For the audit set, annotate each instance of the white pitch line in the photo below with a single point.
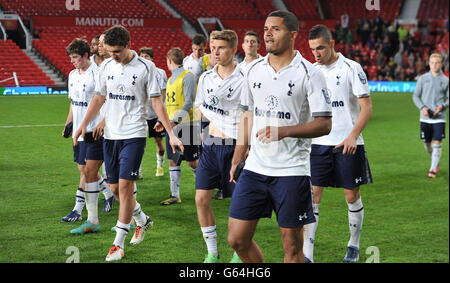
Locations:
(32, 126)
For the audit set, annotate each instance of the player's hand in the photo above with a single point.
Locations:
(437, 109)
(98, 131)
(158, 127)
(79, 133)
(269, 134)
(425, 111)
(175, 142)
(232, 170)
(348, 146)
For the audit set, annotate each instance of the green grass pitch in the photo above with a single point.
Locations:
(406, 214)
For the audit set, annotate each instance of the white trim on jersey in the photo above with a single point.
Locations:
(346, 83)
(289, 97)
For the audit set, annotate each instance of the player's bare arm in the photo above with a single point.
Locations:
(349, 144)
(164, 118)
(243, 141)
(318, 127)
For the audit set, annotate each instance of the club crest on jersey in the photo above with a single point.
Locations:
(121, 88)
(338, 77)
(230, 91)
(213, 100)
(291, 85)
(134, 79)
(271, 101)
(326, 95)
(362, 78)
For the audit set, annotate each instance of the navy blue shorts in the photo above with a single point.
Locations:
(256, 196)
(79, 153)
(214, 165)
(151, 132)
(123, 158)
(429, 132)
(94, 151)
(189, 134)
(337, 170)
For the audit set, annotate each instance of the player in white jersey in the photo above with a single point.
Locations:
(219, 100)
(192, 62)
(339, 159)
(251, 44)
(286, 104)
(128, 81)
(88, 154)
(147, 53)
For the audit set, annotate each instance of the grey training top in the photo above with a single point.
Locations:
(431, 91)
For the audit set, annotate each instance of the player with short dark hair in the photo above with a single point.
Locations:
(286, 104)
(87, 153)
(129, 82)
(339, 158)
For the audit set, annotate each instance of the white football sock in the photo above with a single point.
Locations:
(121, 233)
(175, 176)
(210, 236)
(80, 201)
(138, 215)
(435, 156)
(104, 188)
(159, 160)
(355, 220)
(310, 234)
(91, 194)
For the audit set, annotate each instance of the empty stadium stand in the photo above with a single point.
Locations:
(13, 59)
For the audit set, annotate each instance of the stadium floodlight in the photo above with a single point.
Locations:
(13, 77)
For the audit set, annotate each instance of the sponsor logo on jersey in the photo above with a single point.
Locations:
(362, 78)
(272, 114)
(79, 103)
(326, 95)
(121, 97)
(337, 103)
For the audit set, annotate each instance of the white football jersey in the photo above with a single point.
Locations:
(291, 96)
(81, 91)
(127, 90)
(346, 83)
(245, 66)
(189, 63)
(219, 99)
(161, 77)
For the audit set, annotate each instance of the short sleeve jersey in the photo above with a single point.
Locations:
(292, 96)
(346, 82)
(219, 99)
(190, 64)
(81, 89)
(127, 89)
